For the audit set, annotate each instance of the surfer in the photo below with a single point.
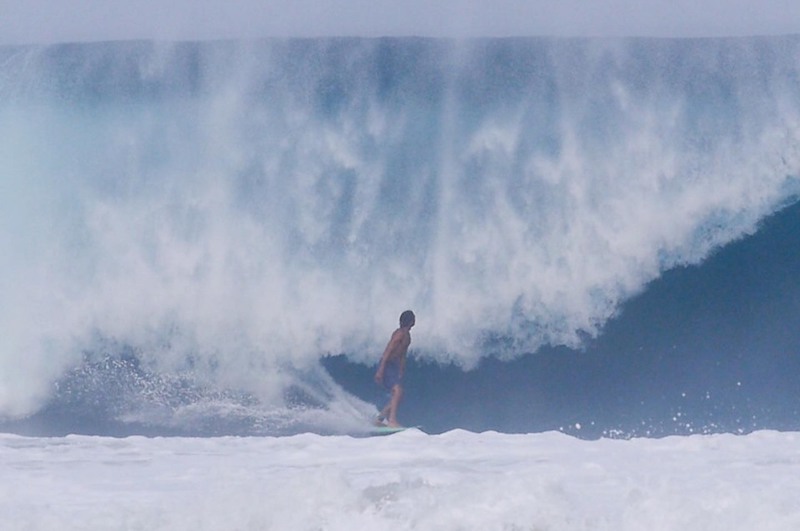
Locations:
(392, 366)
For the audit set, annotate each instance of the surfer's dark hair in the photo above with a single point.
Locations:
(407, 318)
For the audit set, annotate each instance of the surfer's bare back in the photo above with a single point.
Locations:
(392, 367)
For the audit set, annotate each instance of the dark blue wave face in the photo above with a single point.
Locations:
(704, 349)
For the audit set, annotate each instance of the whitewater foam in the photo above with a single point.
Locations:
(457, 480)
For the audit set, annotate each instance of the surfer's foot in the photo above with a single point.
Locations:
(394, 425)
(380, 420)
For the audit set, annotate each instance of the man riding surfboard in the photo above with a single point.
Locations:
(392, 367)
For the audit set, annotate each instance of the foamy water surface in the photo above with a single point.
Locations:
(411, 480)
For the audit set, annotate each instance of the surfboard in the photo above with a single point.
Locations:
(388, 430)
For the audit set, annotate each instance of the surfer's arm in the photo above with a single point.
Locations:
(379, 372)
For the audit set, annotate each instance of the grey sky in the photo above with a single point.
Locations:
(35, 21)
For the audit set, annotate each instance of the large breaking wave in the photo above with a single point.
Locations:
(224, 214)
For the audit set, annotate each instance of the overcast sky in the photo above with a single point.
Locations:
(38, 21)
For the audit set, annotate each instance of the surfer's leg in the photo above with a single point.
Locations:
(397, 394)
(391, 380)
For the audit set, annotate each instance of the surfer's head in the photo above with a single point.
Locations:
(407, 319)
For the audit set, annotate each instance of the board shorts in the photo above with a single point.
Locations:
(391, 375)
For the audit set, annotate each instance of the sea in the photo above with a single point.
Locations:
(205, 247)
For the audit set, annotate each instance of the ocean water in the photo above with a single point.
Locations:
(457, 480)
(207, 245)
